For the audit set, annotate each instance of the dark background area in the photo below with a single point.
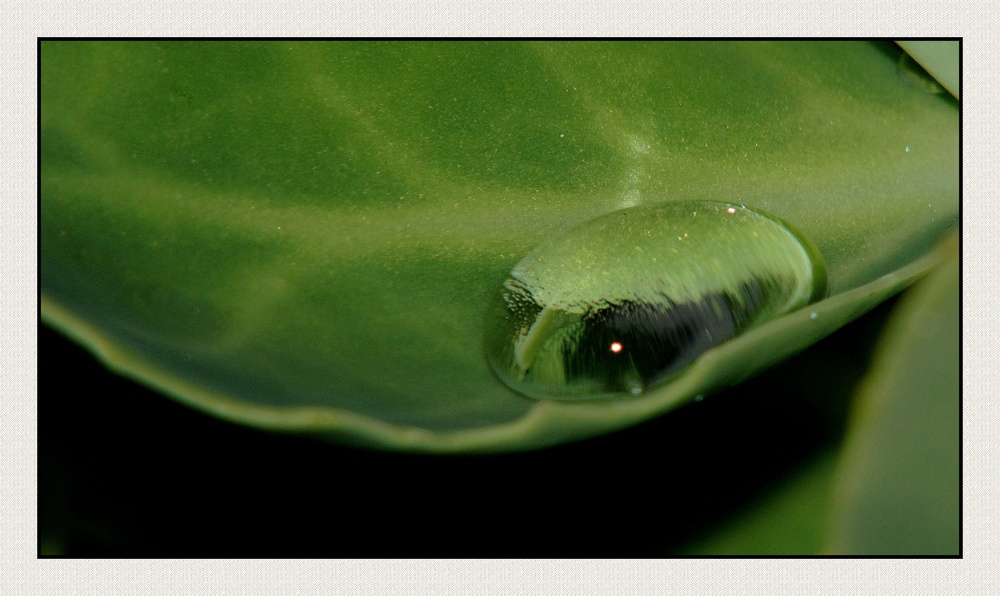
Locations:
(127, 472)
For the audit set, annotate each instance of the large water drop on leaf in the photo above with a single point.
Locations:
(628, 299)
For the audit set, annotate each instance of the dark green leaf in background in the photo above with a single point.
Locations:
(899, 485)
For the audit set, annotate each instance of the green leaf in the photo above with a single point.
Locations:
(791, 519)
(939, 58)
(898, 487)
(304, 236)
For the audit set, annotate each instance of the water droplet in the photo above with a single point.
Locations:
(699, 397)
(617, 304)
(813, 315)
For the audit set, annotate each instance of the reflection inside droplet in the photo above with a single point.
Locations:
(617, 304)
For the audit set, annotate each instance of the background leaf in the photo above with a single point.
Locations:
(789, 519)
(899, 483)
(940, 58)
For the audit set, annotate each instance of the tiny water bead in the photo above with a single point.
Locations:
(630, 298)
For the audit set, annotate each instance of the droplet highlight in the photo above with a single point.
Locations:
(629, 299)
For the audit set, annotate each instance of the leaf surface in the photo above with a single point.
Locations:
(303, 236)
